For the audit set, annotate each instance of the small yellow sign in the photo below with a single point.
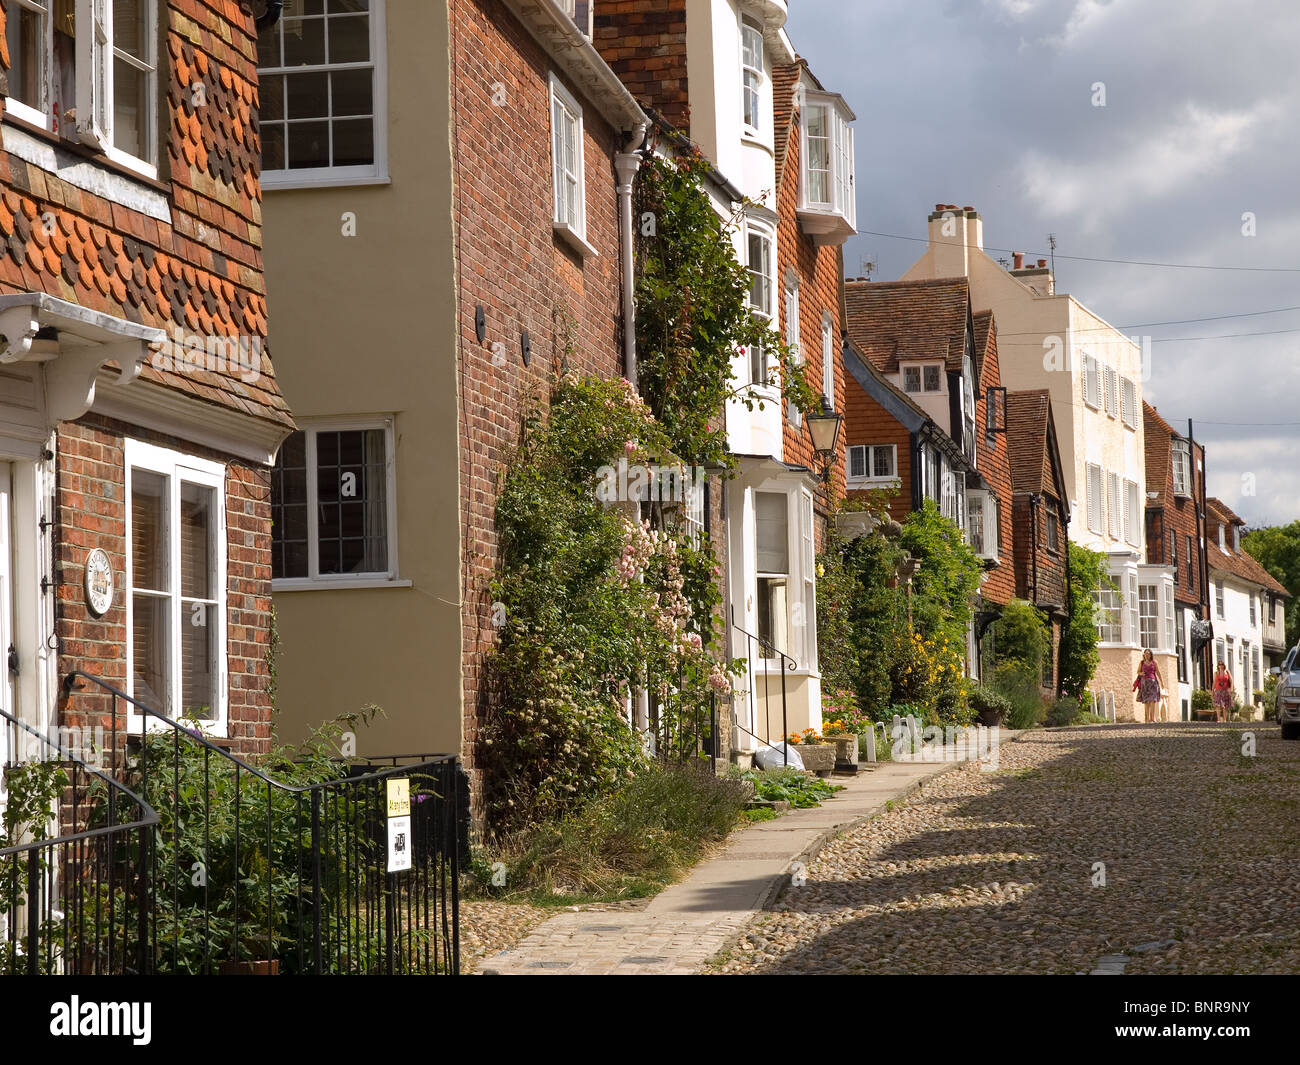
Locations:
(399, 797)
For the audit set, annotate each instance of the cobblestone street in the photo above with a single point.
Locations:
(997, 872)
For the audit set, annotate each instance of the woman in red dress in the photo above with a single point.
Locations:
(1223, 694)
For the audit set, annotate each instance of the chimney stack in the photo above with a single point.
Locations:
(955, 233)
(1017, 260)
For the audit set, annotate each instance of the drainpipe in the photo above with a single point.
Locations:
(626, 164)
(270, 16)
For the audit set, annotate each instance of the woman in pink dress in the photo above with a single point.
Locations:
(1148, 685)
(1224, 696)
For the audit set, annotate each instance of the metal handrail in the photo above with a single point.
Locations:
(765, 646)
(148, 818)
(324, 799)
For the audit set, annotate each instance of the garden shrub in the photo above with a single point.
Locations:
(1079, 655)
(1064, 711)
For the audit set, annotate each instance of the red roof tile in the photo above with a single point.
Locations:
(893, 320)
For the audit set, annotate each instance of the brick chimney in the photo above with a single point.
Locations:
(955, 233)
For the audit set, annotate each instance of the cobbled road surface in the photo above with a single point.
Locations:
(996, 872)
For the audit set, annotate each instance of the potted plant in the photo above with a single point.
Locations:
(991, 707)
(818, 757)
(846, 744)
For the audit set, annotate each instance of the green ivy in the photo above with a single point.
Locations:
(1079, 654)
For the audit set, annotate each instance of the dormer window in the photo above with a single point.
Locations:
(1236, 538)
(1223, 544)
(827, 206)
(751, 62)
(926, 377)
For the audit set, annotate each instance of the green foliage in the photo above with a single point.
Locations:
(594, 601)
(948, 577)
(1064, 711)
(801, 790)
(1202, 699)
(988, 703)
(1079, 655)
(1277, 549)
(628, 843)
(32, 789)
(693, 312)
(1022, 688)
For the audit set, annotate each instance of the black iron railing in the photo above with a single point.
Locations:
(244, 872)
(679, 728)
(768, 653)
(74, 889)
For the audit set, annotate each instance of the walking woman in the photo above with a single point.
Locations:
(1222, 693)
(1148, 685)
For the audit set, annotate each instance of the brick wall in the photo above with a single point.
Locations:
(993, 463)
(511, 263)
(867, 422)
(90, 508)
(644, 42)
(200, 273)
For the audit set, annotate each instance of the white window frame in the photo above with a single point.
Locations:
(1219, 601)
(574, 234)
(583, 14)
(1149, 616)
(807, 639)
(828, 358)
(179, 468)
(1170, 616)
(338, 176)
(315, 580)
(1096, 497)
(1110, 615)
(93, 93)
(839, 158)
(792, 335)
(766, 314)
(751, 26)
(1182, 467)
(868, 452)
(982, 515)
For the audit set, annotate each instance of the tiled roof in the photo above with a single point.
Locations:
(198, 275)
(1027, 450)
(785, 82)
(893, 320)
(1157, 435)
(1225, 560)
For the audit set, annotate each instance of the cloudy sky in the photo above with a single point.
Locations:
(990, 103)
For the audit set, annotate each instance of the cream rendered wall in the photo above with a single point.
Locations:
(365, 324)
(1236, 624)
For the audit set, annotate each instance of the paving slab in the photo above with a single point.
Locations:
(686, 924)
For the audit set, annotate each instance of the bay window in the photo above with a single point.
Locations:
(1149, 616)
(771, 530)
(1109, 617)
(176, 583)
(827, 208)
(88, 71)
(982, 523)
(332, 506)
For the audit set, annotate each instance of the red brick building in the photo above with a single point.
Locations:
(1040, 514)
(140, 411)
(1176, 537)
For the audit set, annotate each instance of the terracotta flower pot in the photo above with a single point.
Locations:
(249, 968)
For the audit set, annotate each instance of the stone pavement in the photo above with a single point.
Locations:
(688, 923)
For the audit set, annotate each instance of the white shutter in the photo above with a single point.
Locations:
(1114, 507)
(1131, 611)
(1094, 498)
(1170, 644)
(95, 72)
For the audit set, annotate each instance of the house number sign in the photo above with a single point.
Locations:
(99, 582)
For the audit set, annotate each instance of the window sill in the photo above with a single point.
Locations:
(863, 484)
(574, 239)
(324, 178)
(308, 584)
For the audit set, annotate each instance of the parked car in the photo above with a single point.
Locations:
(1286, 703)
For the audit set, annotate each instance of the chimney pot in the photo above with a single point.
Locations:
(938, 207)
(1017, 260)
(968, 208)
(1042, 263)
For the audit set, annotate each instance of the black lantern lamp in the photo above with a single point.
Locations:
(825, 431)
